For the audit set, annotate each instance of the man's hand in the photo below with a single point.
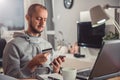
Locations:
(38, 60)
(57, 63)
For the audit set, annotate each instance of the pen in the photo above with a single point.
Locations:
(52, 78)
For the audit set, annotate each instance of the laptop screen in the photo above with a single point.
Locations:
(108, 61)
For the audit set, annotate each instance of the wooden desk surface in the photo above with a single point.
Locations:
(81, 64)
(78, 64)
(115, 78)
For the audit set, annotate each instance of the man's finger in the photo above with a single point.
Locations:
(46, 54)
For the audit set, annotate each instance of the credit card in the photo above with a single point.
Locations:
(47, 50)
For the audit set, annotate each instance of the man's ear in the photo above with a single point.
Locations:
(27, 17)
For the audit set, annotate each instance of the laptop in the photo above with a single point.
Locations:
(106, 65)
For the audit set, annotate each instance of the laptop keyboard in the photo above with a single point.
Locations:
(84, 73)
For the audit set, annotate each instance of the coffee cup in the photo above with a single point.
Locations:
(69, 73)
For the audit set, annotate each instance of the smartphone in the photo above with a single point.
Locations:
(47, 50)
(62, 56)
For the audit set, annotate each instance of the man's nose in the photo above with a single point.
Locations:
(42, 21)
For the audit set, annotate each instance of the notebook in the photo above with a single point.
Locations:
(106, 65)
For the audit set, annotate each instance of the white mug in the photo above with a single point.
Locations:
(69, 73)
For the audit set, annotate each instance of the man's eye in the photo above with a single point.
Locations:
(38, 18)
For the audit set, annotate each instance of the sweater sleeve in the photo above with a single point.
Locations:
(11, 63)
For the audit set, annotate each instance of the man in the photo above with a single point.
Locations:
(23, 57)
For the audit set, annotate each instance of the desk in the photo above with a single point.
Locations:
(90, 54)
(77, 63)
(116, 78)
(81, 63)
(72, 62)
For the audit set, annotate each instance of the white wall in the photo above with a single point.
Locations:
(65, 19)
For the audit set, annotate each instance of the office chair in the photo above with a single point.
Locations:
(2, 46)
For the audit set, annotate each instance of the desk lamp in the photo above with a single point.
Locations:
(99, 16)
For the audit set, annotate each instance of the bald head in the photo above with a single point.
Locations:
(32, 8)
